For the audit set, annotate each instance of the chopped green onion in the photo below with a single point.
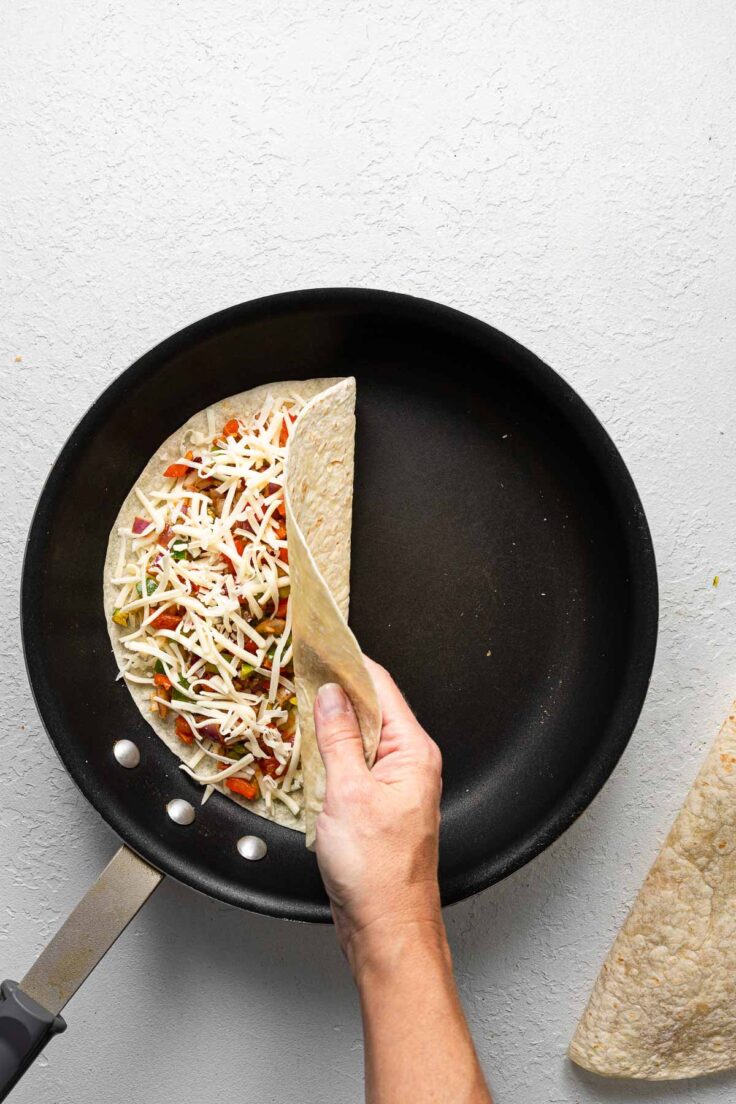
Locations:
(151, 585)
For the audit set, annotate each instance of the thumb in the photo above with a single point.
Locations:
(338, 734)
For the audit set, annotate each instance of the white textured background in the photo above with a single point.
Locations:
(562, 169)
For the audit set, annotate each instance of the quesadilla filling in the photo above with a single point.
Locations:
(204, 607)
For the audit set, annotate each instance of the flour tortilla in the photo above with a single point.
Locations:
(319, 492)
(323, 508)
(664, 1004)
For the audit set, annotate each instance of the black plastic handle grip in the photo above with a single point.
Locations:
(25, 1029)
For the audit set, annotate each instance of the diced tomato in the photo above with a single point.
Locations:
(282, 607)
(284, 555)
(165, 536)
(269, 766)
(183, 730)
(243, 787)
(195, 589)
(280, 531)
(140, 525)
(251, 647)
(231, 428)
(280, 510)
(167, 620)
(273, 488)
(163, 681)
(176, 471)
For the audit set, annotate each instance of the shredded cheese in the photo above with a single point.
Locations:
(203, 607)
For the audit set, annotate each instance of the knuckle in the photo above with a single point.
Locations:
(338, 731)
(430, 756)
(352, 792)
(435, 756)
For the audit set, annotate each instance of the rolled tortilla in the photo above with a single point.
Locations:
(664, 1004)
(324, 507)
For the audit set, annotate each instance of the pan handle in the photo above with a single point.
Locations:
(29, 1011)
(25, 1029)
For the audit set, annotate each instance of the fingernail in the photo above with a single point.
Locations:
(331, 699)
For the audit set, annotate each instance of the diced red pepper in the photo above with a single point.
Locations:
(176, 471)
(286, 425)
(140, 525)
(167, 620)
(163, 681)
(183, 730)
(243, 787)
(284, 555)
(239, 548)
(231, 428)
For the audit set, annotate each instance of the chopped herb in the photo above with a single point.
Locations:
(151, 585)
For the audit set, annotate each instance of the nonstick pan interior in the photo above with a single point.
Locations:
(502, 570)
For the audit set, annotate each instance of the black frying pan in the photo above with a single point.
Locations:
(502, 570)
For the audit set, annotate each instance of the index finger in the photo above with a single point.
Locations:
(400, 726)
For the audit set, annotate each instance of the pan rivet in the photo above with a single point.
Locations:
(180, 811)
(252, 847)
(126, 753)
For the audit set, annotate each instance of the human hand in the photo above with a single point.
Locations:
(377, 836)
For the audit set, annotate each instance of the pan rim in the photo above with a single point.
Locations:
(640, 549)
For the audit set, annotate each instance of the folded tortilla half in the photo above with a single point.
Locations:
(226, 589)
(664, 1004)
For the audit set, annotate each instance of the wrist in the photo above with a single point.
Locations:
(398, 938)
